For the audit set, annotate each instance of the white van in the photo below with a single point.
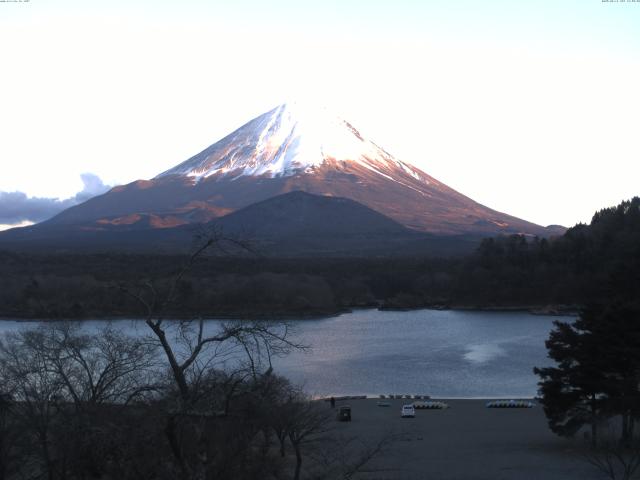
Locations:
(408, 411)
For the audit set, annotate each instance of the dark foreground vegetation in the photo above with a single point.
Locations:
(587, 262)
(103, 405)
(594, 388)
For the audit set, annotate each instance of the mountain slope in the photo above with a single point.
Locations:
(300, 213)
(290, 225)
(288, 149)
(302, 224)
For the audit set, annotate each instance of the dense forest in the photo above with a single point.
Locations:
(598, 260)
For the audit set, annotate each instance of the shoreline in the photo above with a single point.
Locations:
(369, 397)
(239, 316)
(541, 310)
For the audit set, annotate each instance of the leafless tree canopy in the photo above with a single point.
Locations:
(189, 400)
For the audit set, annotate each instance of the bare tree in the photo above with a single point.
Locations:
(614, 458)
(308, 421)
(309, 427)
(26, 377)
(193, 349)
(62, 381)
(10, 436)
(346, 457)
(106, 367)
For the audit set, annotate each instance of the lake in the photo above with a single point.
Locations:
(442, 353)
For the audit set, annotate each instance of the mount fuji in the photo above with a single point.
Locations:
(290, 148)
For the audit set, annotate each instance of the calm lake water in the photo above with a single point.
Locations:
(440, 353)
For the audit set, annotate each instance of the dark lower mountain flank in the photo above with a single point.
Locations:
(291, 225)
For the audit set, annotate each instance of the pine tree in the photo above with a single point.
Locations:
(598, 371)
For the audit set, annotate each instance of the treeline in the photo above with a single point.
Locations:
(588, 261)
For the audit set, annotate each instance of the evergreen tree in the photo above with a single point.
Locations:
(598, 371)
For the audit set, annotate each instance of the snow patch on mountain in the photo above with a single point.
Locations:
(290, 139)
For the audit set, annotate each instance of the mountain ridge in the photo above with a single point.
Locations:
(284, 150)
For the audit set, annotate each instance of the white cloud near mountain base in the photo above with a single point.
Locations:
(19, 210)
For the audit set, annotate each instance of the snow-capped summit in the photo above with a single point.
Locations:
(292, 138)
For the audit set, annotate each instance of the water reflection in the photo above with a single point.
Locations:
(440, 353)
(484, 353)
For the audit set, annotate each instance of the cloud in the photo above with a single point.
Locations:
(93, 186)
(4, 226)
(17, 209)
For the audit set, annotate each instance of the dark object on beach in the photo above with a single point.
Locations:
(344, 413)
(333, 402)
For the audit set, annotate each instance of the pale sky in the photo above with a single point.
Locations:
(529, 107)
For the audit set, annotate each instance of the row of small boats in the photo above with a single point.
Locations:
(419, 405)
(430, 405)
(405, 397)
(510, 404)
(437, 405)
(423, 402)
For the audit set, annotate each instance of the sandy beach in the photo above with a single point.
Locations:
(466, 441)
